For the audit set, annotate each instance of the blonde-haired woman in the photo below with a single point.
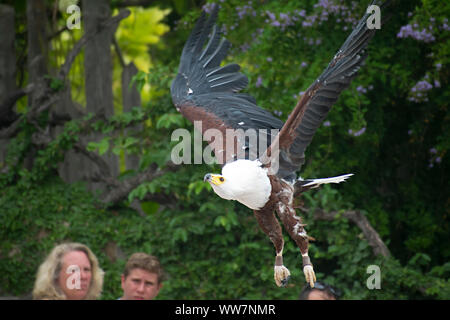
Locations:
(70, 272)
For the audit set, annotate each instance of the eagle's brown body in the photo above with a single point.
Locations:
(281, 202)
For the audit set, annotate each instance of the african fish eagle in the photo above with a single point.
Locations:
(206, 92)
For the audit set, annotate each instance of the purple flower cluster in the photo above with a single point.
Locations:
(363, 90)
(324, 8)
(326, 123)
(246, 10)
(259, 82)
(445, 25)
(418, 93)
(312, 41)
(245, 47)
(278, 113)
(357, 133)
(309, 21)
(341, 11)
(333, 7)
(209, 6)
(323, 4)
(434, 158)
(422, 86)
(412, 31)
(297, 96)
(284, 20)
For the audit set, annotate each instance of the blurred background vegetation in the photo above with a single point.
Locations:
(390, 128)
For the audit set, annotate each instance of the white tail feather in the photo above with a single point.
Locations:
(317, 182)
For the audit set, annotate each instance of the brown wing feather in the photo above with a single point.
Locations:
(207, 93)
(205, 121)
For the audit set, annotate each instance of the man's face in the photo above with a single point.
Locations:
(140, 285)
(75, 275)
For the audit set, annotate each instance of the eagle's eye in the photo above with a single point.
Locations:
(214, 179)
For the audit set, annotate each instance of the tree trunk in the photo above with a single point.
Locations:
(98, 74)
(7, 71)
(131, 98)
(7, 54)
(37, 46)
(73, 167)
(97, 59)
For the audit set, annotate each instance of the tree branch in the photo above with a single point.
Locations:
(119, 52)
(12, 130)
(7, 114)
(371, 235)
(48, 96)
(56, 33)
(105, 174)
(121, 191)
(111, 22)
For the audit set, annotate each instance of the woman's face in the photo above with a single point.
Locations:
(75, 275)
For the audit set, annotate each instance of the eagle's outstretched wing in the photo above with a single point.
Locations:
(207, 94)
(316, 102)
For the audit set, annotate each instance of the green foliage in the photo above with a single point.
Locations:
(55, 83)
(142, 28)
(212, 248)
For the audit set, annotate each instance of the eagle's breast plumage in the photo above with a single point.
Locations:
(246, 181)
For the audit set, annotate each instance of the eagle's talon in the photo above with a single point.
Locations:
(284, 282)
(309, 275)
(281, 275)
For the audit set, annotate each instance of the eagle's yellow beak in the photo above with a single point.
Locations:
(217, 179)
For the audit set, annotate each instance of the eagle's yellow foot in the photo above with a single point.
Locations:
(309, 275)
(281, 275)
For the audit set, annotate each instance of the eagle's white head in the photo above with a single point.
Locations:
(244, 181)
